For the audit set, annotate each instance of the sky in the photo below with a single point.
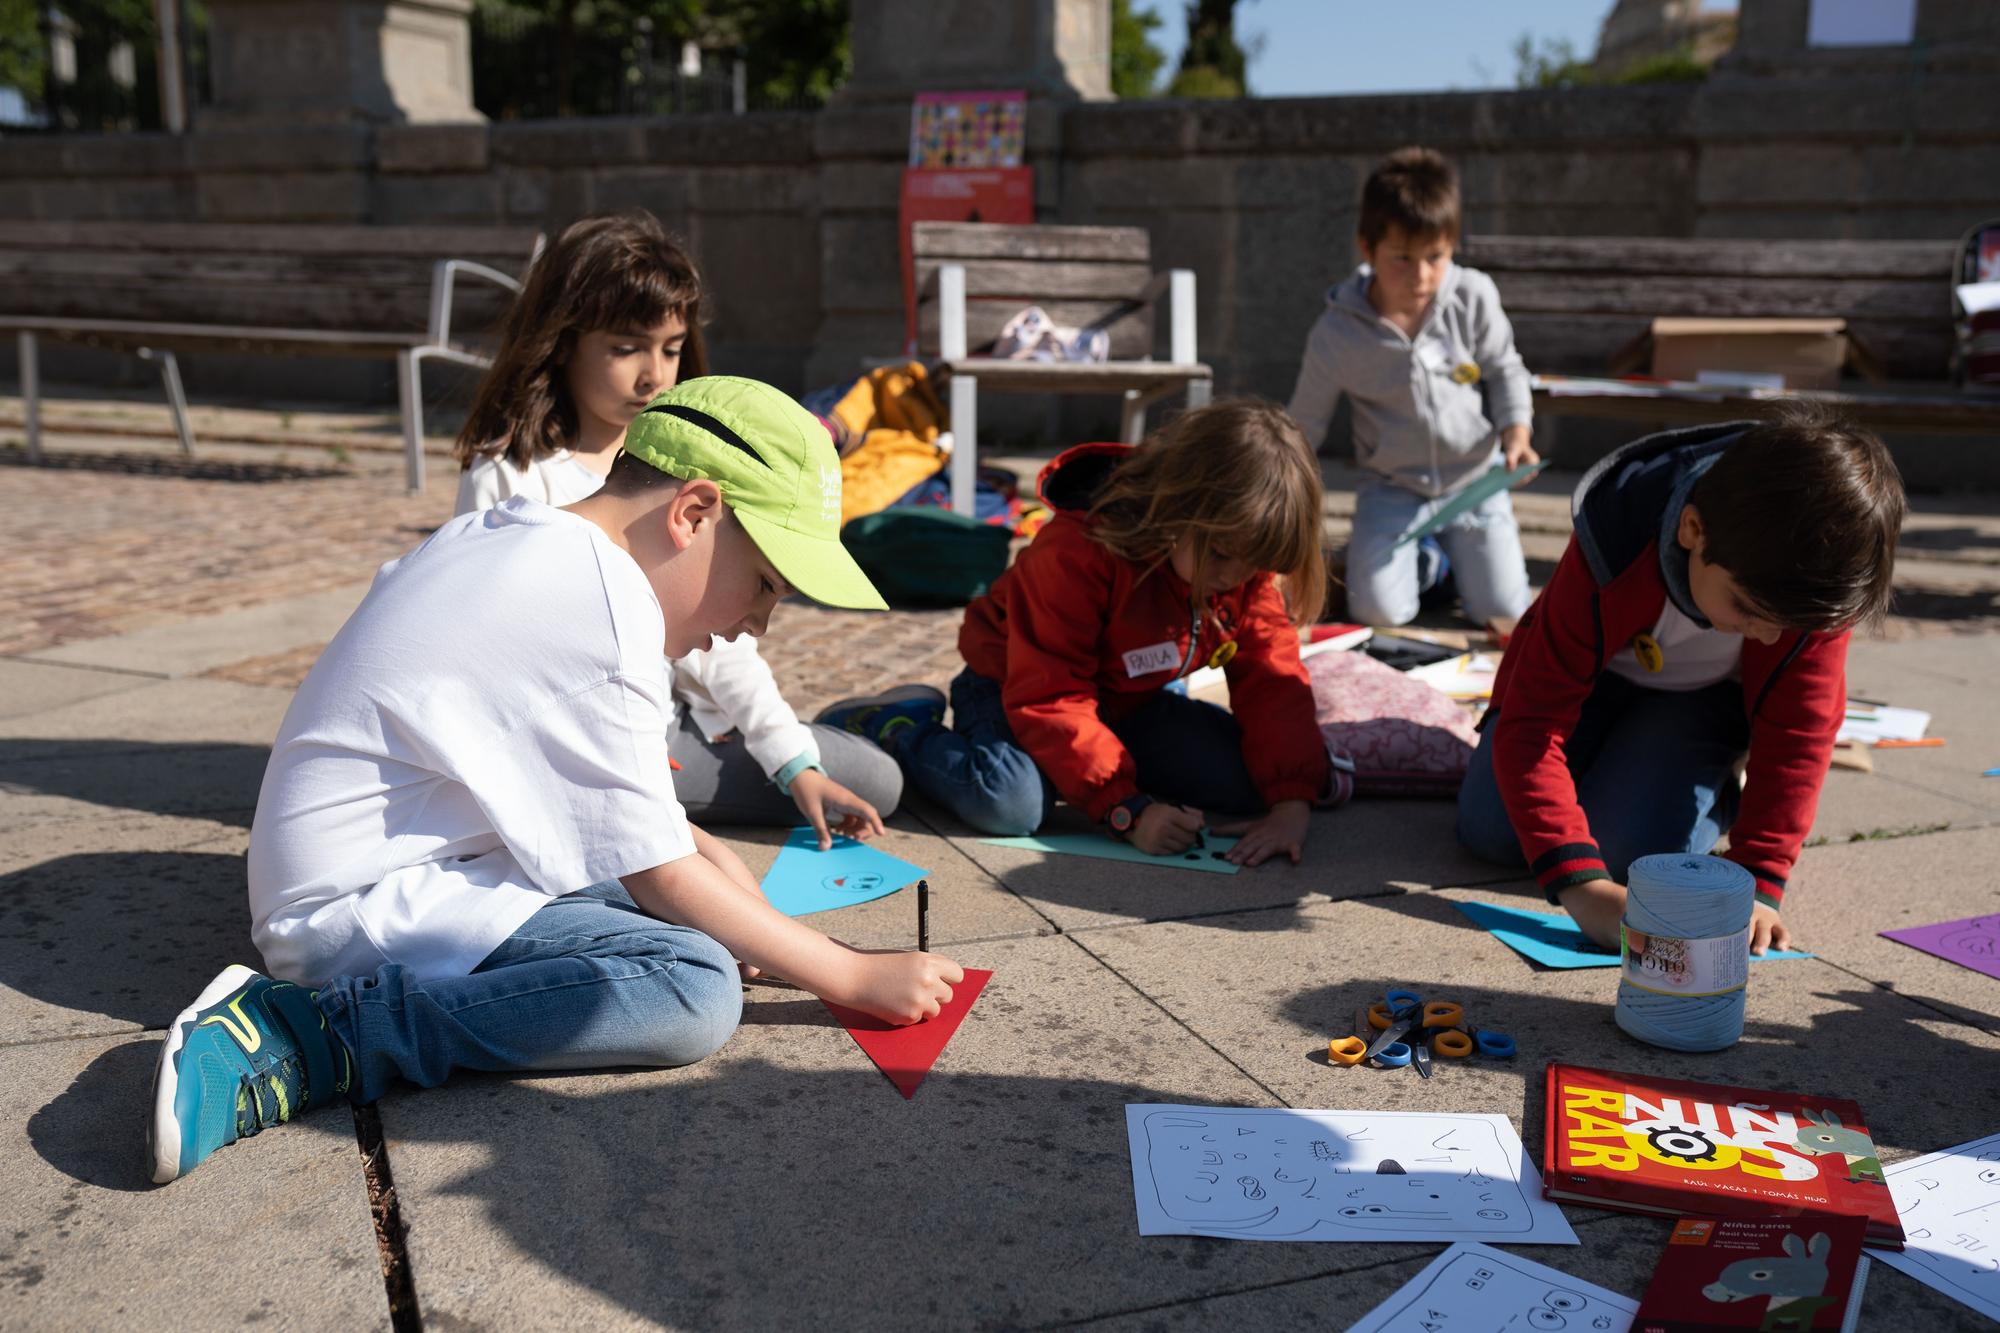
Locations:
(1317, 47)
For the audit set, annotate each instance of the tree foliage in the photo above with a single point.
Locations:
(1213, 64)
(604, 57)
(1553, 63)
(1135, 59)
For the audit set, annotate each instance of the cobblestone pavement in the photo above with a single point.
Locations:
(116, 533)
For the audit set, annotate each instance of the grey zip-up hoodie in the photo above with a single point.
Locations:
(1422, 418)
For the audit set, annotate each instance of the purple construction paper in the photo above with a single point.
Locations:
(1973, 942)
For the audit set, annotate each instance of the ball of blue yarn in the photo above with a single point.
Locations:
(1686, 896)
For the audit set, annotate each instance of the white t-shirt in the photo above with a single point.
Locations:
(1690, 657)
(727, 686)
(451, 763)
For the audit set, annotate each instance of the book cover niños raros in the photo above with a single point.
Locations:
(1802, 1273)
(1658, 1145)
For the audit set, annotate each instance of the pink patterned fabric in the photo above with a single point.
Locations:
(1405, 738)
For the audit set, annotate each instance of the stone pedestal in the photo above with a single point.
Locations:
(374, 62)
(1058, 50)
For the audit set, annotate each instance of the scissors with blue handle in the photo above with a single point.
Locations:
(1402, 1013)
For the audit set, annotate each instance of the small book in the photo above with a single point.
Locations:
(1798, 1273)
(1658, 1145)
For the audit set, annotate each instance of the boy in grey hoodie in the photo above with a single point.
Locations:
(1440, 395)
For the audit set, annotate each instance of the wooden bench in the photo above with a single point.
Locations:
(971, 278)
(1576, 302)
(155, 290)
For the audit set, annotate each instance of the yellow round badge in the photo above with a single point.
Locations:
(1647, 649)
(1224, 654)
(1465, 372)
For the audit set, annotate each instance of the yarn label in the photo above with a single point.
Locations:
(1687, 967)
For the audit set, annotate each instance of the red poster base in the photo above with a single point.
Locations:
(957, 194)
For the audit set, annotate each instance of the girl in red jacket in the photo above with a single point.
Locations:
(1200, 547)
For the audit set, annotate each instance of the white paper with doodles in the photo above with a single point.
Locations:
(1949, 1205)
(1281, 1174)
(1474, 1288)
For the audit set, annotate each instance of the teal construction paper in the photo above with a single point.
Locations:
(1207, 857)
(1554, 940)
(805, 879)
(1476, 493)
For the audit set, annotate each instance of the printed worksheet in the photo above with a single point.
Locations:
(1473, 1288)
(1949, 1203)
(1280, 1174)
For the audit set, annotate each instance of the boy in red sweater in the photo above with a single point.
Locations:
(1696, 627)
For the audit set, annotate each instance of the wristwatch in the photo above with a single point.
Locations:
(1125, 814)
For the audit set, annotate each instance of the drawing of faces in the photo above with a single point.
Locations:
(865, 882)
(1267, 1175)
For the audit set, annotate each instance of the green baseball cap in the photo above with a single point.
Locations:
(776, 466)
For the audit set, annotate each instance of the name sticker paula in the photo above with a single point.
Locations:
(1145, 661)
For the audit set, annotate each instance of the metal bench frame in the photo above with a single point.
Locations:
(145, 339)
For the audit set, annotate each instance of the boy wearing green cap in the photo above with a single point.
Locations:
(467, 853)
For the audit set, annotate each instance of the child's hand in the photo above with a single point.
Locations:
(1597, 906)
(1767, 930)
(1166, 830)
(1282, 830)
(901, 987)
(820, 799)
(1517, 447)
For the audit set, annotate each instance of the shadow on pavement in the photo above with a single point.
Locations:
(215, 781)
(128, 936)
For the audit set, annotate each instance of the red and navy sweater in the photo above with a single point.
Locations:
(1610, 586)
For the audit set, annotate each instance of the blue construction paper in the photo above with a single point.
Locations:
(1111, 849)
(1554, 940)
(805, 879)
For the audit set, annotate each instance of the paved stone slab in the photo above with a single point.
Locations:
(785, 1182)
(966, 902)
(87, 778)
(1272, 1001)
(27, 688)
(116, 924)
(174, 712)
(1618, 1252)
(1847, 894)
(22, 848)
(1937, 676)
(1857, 806)
(1368, 848)
(274, 1230)
(185, 646)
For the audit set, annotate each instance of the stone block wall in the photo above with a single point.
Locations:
(793, 214)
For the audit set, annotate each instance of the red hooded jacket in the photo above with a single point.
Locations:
(1610, 586)
(1077, 636)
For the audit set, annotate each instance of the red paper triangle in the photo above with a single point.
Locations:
(906, 1054)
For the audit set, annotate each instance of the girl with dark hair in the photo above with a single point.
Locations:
(610, 316)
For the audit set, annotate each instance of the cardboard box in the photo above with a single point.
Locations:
(1799, 353)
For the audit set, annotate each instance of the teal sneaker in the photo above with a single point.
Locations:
(249, 1053)
(882, 717)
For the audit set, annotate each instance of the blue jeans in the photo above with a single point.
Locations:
(1186, 751)
(1484, 545)
(1655, 771)
(587, 982)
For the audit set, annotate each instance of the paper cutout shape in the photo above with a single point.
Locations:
(805, 879)
(1949, 1205)
(1972, 941)
(1206, 857)
(906, 1054)
(1554, 940)
(1277, 1174)
(1474, 1286)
